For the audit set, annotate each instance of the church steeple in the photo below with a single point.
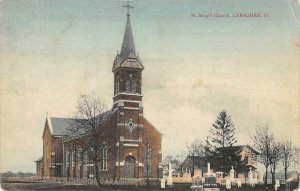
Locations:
(127, 69)
(128, 43)
(127, 57)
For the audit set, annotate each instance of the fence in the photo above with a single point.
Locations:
(21, 179)
(84, 181)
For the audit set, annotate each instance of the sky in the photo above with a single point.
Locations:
(53, 51)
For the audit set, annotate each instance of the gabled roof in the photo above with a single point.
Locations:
(104, 115)
(251, 148)
(59, 126)
(84, 125)
(235, 149)
(199, 161)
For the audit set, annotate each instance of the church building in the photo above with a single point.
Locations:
(132, 141)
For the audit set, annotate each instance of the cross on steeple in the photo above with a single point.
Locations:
(128, 7)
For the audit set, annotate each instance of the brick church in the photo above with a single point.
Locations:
(131, 134)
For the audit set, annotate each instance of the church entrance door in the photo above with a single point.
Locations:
(129, 167)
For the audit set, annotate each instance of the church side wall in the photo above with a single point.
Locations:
(155, 139)
(83, 167)
(52, 154)
(107, 136)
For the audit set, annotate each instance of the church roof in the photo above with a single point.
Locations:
(59, 126)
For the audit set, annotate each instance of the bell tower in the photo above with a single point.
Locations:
(127, 100)
(127, 69)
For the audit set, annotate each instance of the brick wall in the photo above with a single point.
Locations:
(155, 139)
(52, 153)
(47, 142)
(117, 151)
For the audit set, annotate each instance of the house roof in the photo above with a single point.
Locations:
(199, 161)
(235, 149)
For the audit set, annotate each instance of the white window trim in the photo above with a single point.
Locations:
(104, 159)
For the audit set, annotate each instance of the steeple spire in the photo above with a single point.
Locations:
(128, 43)
(128, 57)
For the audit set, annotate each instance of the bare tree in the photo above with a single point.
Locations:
(262, 143)
(275, 156)
(176, 161)
(289, 156)
(75, 157)
(147, 158)
(90, 114)
(78, 146)
(195, 149)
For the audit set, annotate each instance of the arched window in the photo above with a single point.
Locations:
(73, 158)
(133, 86)
(117, 84)
(86, 161)
(104, 158)
(79, 155)
(117, 87)
(147, 160)
(67, 158)
(86, 157)
(127, 85)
